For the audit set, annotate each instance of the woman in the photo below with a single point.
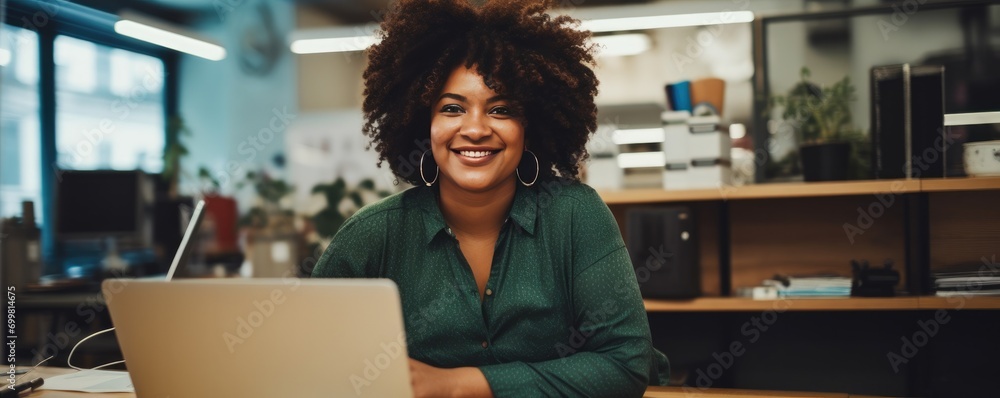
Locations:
(514, 278)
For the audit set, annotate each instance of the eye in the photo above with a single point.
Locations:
(451, 108)
(501, 110)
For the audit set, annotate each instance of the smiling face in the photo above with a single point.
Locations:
(476, 139)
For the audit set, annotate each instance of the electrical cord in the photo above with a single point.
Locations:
(69, 359)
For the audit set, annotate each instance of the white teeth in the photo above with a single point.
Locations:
(475, 154)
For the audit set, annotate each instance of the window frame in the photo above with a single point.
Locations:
(62, 18)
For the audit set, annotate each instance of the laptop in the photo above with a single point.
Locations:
(260, 337)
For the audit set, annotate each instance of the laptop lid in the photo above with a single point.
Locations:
(182, 251)
(261, 337)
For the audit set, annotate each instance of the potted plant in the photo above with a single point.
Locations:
(173, 150)
(272, 243)
(340, 201)
(822, 117)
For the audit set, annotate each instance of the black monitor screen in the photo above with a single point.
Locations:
(97, 203)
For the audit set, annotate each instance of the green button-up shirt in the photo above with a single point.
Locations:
(561, 316)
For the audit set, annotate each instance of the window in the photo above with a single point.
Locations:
(109, 107)
(20, 145)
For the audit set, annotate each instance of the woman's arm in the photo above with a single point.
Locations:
(466, 382)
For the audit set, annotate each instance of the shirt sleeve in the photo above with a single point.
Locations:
(356, 250)
(609, 352)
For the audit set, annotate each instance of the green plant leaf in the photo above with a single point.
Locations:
(356, 198)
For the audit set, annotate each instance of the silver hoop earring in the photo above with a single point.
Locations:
(437, 171)
(537, 169)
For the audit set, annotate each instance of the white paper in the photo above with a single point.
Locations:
(98, 381)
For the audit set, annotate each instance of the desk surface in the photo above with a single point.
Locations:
(652, 392)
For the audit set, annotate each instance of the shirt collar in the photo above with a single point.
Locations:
(523, 211)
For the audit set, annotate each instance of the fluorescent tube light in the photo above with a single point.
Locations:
(642, 159)
(4, 56)
(358, 38)
(966, 119)
(332, 40)
(622, 45)
(162, 34)
(332, 44)
(666, 21)
(638, 136)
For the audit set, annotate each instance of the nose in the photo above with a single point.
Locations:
(475, 126)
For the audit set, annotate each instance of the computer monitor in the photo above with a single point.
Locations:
(99, 204)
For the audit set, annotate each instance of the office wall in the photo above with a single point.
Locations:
(328, 81)
(238, 119)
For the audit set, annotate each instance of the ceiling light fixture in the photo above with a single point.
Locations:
(358, 38)
(160, 33)
(666, 21)
(331, 40)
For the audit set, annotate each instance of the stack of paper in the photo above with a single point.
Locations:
(979, 283)
(823, 286)
(93, 381)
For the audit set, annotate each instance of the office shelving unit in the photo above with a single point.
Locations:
(920, 224)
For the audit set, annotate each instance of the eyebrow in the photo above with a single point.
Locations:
(462, 98)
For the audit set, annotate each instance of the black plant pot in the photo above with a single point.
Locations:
(825, 162)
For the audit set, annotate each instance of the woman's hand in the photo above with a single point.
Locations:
(429, 381)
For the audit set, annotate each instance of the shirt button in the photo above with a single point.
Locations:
(489, 292)
(485, 344)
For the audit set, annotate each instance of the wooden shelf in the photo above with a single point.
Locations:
(960, 184)
(653, 195)
(761, 191)
(800, 189)
(740, 304)
(963, 303)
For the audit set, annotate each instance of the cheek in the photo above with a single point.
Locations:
(440, 131)
(513, 136)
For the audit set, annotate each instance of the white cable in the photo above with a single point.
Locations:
(108, 364)
(69, 359)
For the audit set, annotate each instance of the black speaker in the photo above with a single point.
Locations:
(908, 137)
(663, 248)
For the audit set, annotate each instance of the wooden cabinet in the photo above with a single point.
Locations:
(748, 234)
(877, 346)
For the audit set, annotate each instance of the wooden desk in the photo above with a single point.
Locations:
(652, 392)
